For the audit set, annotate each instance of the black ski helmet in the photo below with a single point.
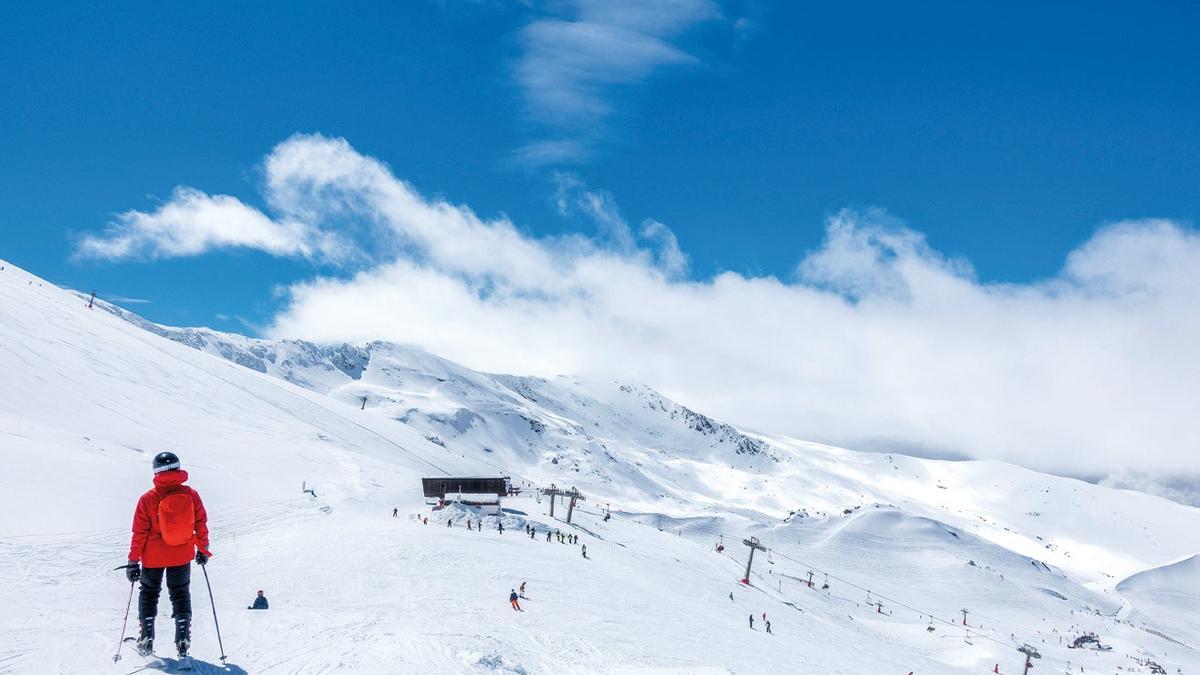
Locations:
(165, 461)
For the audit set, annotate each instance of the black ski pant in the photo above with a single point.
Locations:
(179, 580)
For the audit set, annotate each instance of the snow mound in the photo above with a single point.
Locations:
(893, 524)
(1182, 577)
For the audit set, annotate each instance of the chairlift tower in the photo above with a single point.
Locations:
(573, 493)
(1030, 654)
(754, 545)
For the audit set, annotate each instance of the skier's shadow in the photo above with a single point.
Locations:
(198, 666)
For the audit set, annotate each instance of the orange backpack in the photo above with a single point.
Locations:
(177, 518)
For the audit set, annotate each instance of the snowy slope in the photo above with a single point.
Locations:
(638, 448)
(89, 396)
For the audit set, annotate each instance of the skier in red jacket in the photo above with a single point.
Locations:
(170, 527)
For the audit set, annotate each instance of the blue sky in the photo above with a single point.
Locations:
(873, 224)
(1006, 133)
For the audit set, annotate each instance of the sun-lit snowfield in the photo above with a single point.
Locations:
(88, 397)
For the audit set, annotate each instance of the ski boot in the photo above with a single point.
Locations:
(183, 640)
(145, 641)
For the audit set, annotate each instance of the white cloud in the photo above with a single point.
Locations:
(569, 65)
(551, 151)
(574, 197)
(671, 259)
(191, 222)
(877, 341)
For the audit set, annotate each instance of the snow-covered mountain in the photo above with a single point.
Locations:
(89, 395)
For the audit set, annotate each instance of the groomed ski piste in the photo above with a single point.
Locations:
(897, 546)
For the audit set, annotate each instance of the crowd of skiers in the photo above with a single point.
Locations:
(531, 530)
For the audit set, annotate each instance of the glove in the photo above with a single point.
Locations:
(201, 558)
(133, 572)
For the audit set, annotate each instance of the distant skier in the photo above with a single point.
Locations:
(512, 599)
(768, 626)
(170, 527)
(532, 532)
(260, 602)
(522, 592)
(449, 523)
(500, 526)
(585, 550)
(547, 536)
(751, 622)
(731, 596)
(396, 512)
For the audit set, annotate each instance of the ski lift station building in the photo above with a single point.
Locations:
(472, 490)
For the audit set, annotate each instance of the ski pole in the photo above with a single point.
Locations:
(204, 568)
(125, 623)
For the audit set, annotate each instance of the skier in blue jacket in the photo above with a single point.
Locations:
(260, 602)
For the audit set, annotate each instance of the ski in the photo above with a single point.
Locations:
(152, 661)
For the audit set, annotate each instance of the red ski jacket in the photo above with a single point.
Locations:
(147, 544)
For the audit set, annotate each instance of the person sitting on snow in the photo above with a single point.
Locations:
(260, 602)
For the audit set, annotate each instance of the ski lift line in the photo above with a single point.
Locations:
(975, 632)
(969, 631)
(972, 631)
